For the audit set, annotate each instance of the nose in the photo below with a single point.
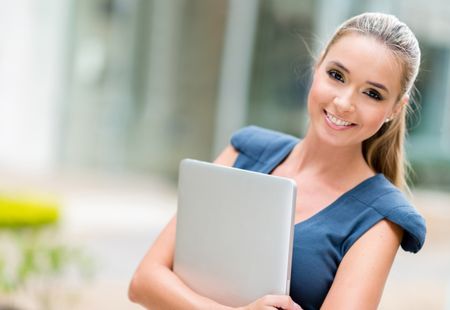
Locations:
(344, 103)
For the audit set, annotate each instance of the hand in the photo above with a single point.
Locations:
(271, 302)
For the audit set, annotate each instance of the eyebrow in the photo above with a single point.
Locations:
(378, 85)
(338, 64)
(381, 86)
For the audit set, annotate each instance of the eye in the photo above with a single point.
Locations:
(372, 93)
(336, 75)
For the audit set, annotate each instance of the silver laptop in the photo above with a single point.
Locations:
(234, 232)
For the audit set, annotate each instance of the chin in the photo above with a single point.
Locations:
(338, 140)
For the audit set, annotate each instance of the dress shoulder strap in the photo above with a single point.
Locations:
(261, 149)
(396, 208)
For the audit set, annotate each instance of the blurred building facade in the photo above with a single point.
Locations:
(137, 85)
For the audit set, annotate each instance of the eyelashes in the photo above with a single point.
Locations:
(336, 75)
(372, 93)
(339, 77)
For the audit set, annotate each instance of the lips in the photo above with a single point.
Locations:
(336, 122)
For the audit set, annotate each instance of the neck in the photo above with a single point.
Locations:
(329, 161)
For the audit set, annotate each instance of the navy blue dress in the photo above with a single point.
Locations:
(321, 241)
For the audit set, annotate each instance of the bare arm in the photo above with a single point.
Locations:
(154, 285)
(362, 274)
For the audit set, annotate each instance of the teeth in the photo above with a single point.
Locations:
(337, 121)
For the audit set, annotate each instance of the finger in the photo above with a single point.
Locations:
(297, 306)
(281, 302)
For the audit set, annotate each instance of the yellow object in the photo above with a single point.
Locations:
(27, 210)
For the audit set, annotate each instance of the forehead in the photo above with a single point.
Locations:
(367, 59)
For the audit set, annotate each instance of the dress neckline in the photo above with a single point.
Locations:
(351, 192)
(336, 202)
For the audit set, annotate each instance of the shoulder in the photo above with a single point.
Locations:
(260, 149)
(392, 205)
(254, 139)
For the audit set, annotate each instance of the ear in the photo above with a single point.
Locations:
(398, 107)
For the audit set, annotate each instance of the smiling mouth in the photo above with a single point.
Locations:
(337, 121)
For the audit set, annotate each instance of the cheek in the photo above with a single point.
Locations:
(375, 118)
(312, 97)
(376, 125)
(379, 113)
(319, 93)
(375, 114)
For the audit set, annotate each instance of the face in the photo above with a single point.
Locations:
(355, 88)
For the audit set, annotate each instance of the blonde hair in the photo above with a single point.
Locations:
(384, 151)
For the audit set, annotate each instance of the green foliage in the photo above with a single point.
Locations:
(33, 255)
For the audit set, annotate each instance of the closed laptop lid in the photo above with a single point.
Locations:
(234, 232)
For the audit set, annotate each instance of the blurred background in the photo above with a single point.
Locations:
(101, 99)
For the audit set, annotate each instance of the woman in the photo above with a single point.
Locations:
(351, 217)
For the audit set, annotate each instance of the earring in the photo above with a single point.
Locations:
(387, 120)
